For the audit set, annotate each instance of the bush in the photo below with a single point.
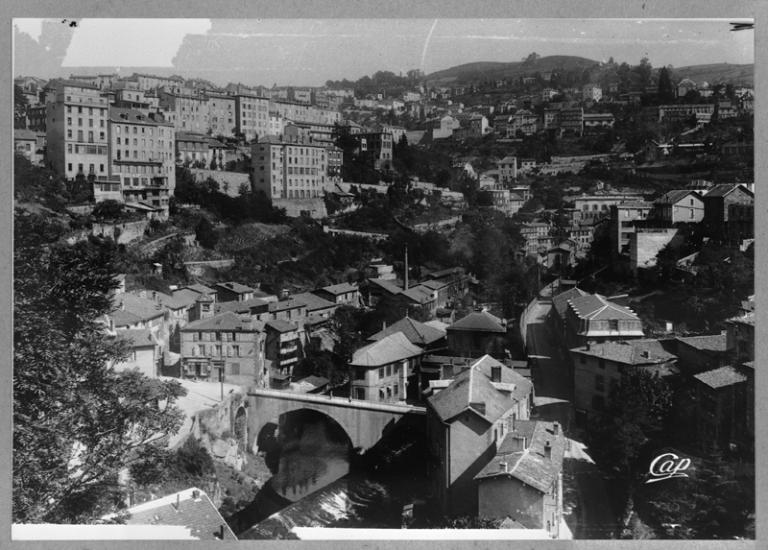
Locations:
(191, 459)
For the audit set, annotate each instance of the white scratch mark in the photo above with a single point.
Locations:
(426, 44)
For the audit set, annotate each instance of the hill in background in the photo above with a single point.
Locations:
(486, 70)
(718, 72)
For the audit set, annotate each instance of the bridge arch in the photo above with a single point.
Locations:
(364, 422)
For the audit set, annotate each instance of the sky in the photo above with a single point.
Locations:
(305, 52)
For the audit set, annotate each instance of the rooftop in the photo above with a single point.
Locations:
(313, 301)
(481, 321)
(472, 389)
(417, 333)
(629, 352)
(723, 189)
(597, 307)
(138, 338)
(529, 464)
(281, 326)
(391, 348)
(671, 197)
(720, 378)
(341, 288)
(708, 342)
(190, 508)
(227, 321)
(234, 287)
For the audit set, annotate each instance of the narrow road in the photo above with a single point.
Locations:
(586, 497)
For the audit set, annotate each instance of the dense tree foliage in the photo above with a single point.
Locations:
(77, 422)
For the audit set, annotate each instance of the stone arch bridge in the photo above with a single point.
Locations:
(365, 422)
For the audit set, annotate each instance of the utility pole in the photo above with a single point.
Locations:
(406, 267)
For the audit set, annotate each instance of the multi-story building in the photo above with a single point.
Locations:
(572, 120)
(282, 350)
(507, 170)
(478, 334)
(186, 109)
(151, 82)
(221, 114)
(681, 205)
(599, 367)
(225, 347)
(376, 148)
(682, 111)
(593, 318)
(729, 211)
(302, 112)
(76, 131)
(599, 206)
(252, 116)
(523, 121)
(525, 478)
(382, 369)
(721, 408)
(343, 293)
(284, 170)
(623, 218)
(141, 155)
(598, 120)
(591, 92)
(466, 421)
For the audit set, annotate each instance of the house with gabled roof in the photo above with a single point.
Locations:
(593, 317)
(343, 293)
(524, 480)
(729, 210)
(465, 422)
(143, 352)
(383, 370)
(478, 334)
(679, 206)
(420, 334)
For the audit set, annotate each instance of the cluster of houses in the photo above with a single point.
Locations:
(606, 340)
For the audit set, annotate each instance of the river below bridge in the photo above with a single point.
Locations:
(320, 481)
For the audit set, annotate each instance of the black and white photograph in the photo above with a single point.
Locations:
(383, 279)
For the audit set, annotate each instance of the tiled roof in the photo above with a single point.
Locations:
(708, 342)
(473, 386)
(723, 189)
(201, 289)
(530, 465)
(629, 352)
(283, 305)
(480, 321)
(387, 285)
(671, 197)
(142, 308)
(227, 321)
(389, 349)
(434, 285)
(719, 378)
(281, 326)
(341, 288)
(185, 296)
(182, 508)
(234, 287)
(244, 306)
(418, 294)
(416, 332)
(597, 307)
(313, 301)
(137, 338)
(560, 302)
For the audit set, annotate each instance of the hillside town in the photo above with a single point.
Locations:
(501, 296)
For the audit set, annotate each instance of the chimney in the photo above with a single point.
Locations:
(406, 269)
(556, 428)
(547, 450)
(178, 502)
(503, 467)
(646, 354)
(496, 374)
(196, 494)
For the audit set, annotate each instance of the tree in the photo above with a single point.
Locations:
(205, 233)
(636, 412)
(77, 422)
(666, 90)
(108, 210)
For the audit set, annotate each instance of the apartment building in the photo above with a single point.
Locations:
(76, 131)
(286, 170)
(623, 219)
(186, 109)
(252, 116)
(221, 114)
(141, 158)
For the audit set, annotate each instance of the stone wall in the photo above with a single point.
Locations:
(229, 182)
(122, 233)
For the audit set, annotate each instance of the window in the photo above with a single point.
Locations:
(201, 349)
(101, 168)
(359, 393)
(69, 167)
(381, 372)
(236, 350)
(613, 324)
(599, 383)
(69, 134)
